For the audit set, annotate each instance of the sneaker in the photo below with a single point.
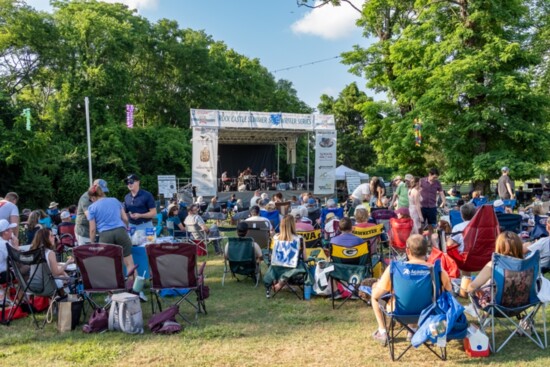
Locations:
(267, 293)
(142, 297)
(381, 338)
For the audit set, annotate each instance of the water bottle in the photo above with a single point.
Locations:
(307, 292)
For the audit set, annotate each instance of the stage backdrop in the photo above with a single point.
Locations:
(235, 158)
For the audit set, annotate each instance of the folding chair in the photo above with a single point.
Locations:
(40, 281)
(509, 222)
(539, 230)
(479, 241)
(66, 239)
(351, 266)
(400, 231)
(513, 300)
(260, 232)
(414, 288)
(273, 217)
(338, 213)
(283, 207)
(202, 239)
(383, 216)
(241, 259)
(455, 217)
(102, 270)
(174, 268)
(290, 276)
(313, 243)
(372, 235)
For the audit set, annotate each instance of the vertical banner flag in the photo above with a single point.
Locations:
(130, 116)
(325, 161)
(205, 160)
(418, 132)
(27, 114)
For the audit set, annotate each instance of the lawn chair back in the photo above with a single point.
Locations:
(383, 216)
(260, 232)
(273, 217)
(172, 265)
(356, 255)
(414, 286)
(515, 280)
(479, 240)
(371, 235)
(539, 230)
(241, 259)
(509, 222)
(66, 235)
(283, 207)
(312, 239)
(400, 231)
(455, 217)
(40, 280)
(101, 267)
(338, 213)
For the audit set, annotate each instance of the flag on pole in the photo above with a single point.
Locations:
(130, 116)
(418, 132)
(27, 114)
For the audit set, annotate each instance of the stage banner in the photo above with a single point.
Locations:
(205, 160)
(204, 118)
(324, 122)
(325, 162)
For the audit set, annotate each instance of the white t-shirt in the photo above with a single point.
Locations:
(254, 200)
(543, 245)
(459, 238)
(360, 191)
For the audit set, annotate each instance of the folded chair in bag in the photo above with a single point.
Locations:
(241, 259)
(174, 268)
(479, 241)
(415, 287)
(351, 266)
(285, 264)
(40, 281)
(102, 271)
(513, 301)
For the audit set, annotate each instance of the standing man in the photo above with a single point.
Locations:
(255, 198)
(82, 229)
(139, 204)
(401, 194)
(361, 194)
(430, 187)
(9, 210)
(505, 185)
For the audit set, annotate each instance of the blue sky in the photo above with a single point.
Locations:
(277, 32)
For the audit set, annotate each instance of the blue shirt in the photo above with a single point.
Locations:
(140, 204)
(175, 226)
(106, 213)
(347, 240)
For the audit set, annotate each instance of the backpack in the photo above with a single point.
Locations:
(98, 322)
(125, 313)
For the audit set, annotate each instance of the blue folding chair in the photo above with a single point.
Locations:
(338, 213)
(479, 201)
(273, 217)
(455, 217)
(509, 222)
(415, 287)
(510, 202)
(513, 300)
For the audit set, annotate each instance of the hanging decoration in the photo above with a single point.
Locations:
(130, 116)
(418, 132)
(27, 114)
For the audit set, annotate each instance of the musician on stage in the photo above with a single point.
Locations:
(264, 173)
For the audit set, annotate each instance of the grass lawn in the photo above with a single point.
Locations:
(242, 328)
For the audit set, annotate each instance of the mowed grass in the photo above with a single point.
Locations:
(242, 328)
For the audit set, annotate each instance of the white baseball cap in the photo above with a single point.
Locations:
(5, 225)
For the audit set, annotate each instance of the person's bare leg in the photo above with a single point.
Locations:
(129, 262)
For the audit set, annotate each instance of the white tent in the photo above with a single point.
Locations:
(340, 173)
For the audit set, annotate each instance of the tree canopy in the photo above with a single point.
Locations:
(50, 62)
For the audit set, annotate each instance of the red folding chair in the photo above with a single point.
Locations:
(400, 231)
(101, 269)
(174, 270)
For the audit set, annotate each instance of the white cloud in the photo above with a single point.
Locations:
(136, 4)
(330, 22)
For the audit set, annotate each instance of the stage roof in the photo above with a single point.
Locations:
(257, 136)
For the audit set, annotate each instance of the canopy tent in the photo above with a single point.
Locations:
(340, 173)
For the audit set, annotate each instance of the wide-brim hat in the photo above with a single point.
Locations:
(53, 204)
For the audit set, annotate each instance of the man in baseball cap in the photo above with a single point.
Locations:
(82, 228)
(505, 185)
(401, 194)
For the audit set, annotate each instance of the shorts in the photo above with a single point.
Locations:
(430, 215)
(117, 236)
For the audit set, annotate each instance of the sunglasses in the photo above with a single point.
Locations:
(130, 182)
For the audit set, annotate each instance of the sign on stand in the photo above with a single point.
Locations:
(352, 181)
(167, 185)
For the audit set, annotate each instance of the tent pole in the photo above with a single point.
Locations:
(278, 173)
